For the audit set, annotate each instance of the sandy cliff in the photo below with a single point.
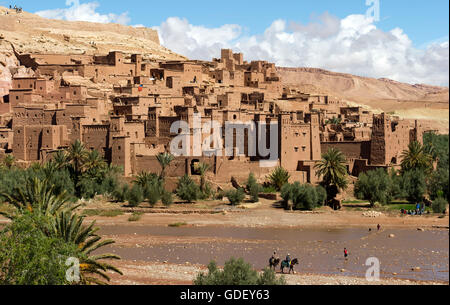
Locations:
(32, 34)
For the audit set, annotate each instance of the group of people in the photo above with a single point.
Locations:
(18, 9)
(420, 210)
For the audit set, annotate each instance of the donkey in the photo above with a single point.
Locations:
(273, 262)
(285, 264)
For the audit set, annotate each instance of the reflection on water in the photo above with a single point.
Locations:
(319, 251)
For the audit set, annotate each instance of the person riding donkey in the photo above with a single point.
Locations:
(289, 263)
(274, 256)
(288, 259)
(274, 260)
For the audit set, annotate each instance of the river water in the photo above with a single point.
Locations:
(320, 251)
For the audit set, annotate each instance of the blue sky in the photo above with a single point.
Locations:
(408, 43)
(423, 21)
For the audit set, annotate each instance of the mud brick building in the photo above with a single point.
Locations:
(124, 107)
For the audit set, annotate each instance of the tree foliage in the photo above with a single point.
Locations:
(374, 186)
(303, 196)
(438, 183)
(414, 185)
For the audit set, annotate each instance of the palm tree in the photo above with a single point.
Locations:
(279, 177)
(94, 161)
(334, 121)
(202, 169)
(37, 197)
(77, 155)
(9, 161)
(164, 160)
(143, 179)
(69, 226)
(61, 159)
(332, 168)
(418, 157)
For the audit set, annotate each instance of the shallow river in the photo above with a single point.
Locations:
(319, 251)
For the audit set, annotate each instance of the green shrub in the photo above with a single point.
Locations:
(167, 198)
(152, 193)
(187, 189)
(237, 272)
(207, 192)
(108, 185)
(253, 188)
(135, 196)
(62, 182)
(219, 195)
(269, 189)
(87, 188)
(102, 213)
(439, 205)
(9, 179)
(321, 195)
(177, 224)
(303, 196)
(136, 216)
(121, 193)
(235, 196)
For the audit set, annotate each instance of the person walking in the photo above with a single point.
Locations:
(345, 253)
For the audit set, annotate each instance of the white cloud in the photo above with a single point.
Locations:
(77, 11)
(196, 41)
(351, 45)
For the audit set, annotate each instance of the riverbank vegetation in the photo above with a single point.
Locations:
(423, 177)
(237, 272)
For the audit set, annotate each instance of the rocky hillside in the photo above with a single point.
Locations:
(30, 33)
(33, 34)
(380, 95)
